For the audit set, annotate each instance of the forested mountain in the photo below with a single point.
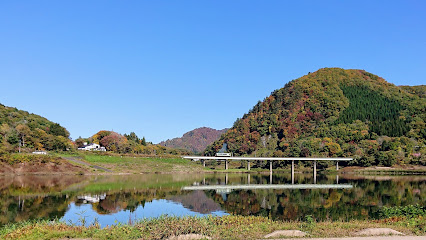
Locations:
(417, 90)
(335, 112)
(20, 129)
(196, 140)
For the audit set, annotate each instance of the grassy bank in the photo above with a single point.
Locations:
(138, 164)
(113, 163)
(167, 164)
(25, 163)
(227, 227)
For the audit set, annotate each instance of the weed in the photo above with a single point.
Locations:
(82, 218)
(308, 223)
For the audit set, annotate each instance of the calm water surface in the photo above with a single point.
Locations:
(125, 198)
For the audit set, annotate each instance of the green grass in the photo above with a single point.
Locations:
(125, 164)
(130, 182)
(167, 164)
(121, 160)
(226, 227)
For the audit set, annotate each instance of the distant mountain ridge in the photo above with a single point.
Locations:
(335, 112)
(196, 140)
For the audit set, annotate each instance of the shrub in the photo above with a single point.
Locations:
(409, 211)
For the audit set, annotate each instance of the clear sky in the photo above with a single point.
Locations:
(162, 68)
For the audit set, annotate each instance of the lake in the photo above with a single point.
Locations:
(117, 199)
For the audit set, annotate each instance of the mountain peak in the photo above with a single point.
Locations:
(330, 112)
(195, 140)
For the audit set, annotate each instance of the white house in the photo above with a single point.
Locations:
(92, 147)
(40, 152)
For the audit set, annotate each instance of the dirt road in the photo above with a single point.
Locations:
(76, 160)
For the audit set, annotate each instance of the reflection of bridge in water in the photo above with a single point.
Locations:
(229, 188)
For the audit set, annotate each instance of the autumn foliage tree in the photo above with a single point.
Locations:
(129, 143)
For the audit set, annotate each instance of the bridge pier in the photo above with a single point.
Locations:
(248, 178)
(226, 179)
(315, 171)
(270, 177)
(270, 159)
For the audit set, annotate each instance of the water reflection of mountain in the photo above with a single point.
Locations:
(114, 201)
(31, 197)
(48, 197)
(360, 202)
(197, 201)
(37, 185)
(110, 203)
(16, 209)
(34, 197)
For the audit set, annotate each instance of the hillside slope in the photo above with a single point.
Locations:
(30, 131)
(334, 112)
(196, 140)
(419, 90)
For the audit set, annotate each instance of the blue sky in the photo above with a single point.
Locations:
(162, 68)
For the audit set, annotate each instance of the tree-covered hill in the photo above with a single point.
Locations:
(127, 143)
(195, 140)
(335, 112)
(27, 131)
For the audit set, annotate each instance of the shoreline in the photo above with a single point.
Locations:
(361, 171)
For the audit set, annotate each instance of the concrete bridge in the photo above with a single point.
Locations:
(203, 159)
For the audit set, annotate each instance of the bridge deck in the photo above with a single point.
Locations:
(270, 159)
(266, 158)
